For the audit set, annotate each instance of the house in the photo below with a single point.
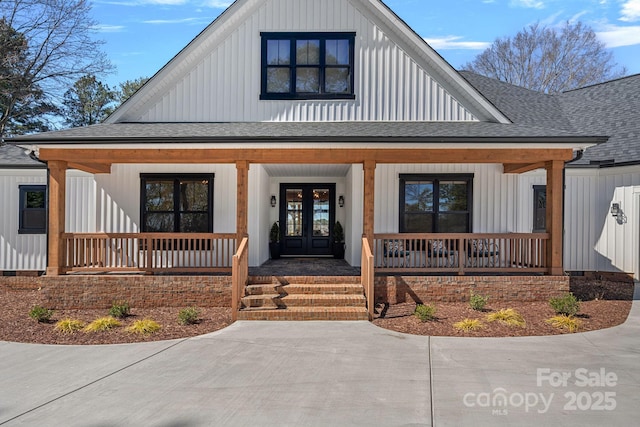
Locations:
(306, 113)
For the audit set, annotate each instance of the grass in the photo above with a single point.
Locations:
(468, 325)
(69, 326)
(568, 323)
(508, 317)
(425, 312)
(144, 326)
(102, 324)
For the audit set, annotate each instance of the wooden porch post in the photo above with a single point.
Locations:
(57, 190)
(555, 199)
(368, 200)
(242, 205)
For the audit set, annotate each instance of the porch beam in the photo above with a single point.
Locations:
(57, 212)
(522, 167)
(94, 168)
(555, 200)
(307, 155)
(242, 204)
(368, 200)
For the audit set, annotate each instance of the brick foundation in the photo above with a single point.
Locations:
(399, 289)
(70, 292)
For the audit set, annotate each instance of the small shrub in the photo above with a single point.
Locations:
(425, 312)
(477, 302)
(69, 326)
(568, 323)
(567, 304)
(188, 316)
(41, 314)
(507, 316)
(144, 326)
(102, 324)
(468, 325)
(120, 309)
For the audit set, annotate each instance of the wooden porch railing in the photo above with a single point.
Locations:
(240, 276)
(148, 252)
(461, 253)
(367, 275)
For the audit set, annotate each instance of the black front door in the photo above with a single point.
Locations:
(307, 215)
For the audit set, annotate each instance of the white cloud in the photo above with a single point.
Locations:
(455, 42)
(217, 4)
(617, 36)
(104, 28)
(174, 21)
(630, 11)
(529, 4)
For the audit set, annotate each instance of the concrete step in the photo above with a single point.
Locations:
(305, 313)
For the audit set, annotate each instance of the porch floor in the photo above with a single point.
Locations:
(305, 267)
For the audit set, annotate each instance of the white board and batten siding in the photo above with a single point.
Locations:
(594, 239)
(28, 251)
(219, 80)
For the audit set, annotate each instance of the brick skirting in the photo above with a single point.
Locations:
(422, 289)
(100, 291)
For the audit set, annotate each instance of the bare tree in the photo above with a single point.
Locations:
(58, 50)
(548, 59)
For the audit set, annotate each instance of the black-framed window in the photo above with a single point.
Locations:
(539, 208)
(307, 65)
(176, 203)
(33, 209)
(436, 203)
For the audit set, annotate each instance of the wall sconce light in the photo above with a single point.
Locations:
(273, 201)
(615, 209)
(341, 201)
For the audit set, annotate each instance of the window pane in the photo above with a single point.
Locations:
(159, 223)
(321, 212)
(278, 52)
(453, 223)
(35, 199)
(453, 196)
(308, 80)
(194, 223)
(278, 80)
(34, 219)
(337, 80)
(194, 196)
(540, 209)
(418, 196)
(308, 52)
(159, 196)
(337, 52)
(418, 223)
(294, 213)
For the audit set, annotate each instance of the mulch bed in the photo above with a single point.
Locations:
(604, 304)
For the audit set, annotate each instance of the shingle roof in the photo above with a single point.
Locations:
(12, 157)
(611, 108)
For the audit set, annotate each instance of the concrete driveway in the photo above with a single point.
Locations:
(328, 374)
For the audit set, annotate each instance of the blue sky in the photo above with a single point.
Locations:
(143, 35)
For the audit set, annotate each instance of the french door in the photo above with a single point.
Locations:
(307, 215)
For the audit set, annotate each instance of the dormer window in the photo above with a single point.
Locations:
(307, 65)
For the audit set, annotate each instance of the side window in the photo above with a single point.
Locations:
(435, 203)
(539, 208)
(176, 203)
(33, 209)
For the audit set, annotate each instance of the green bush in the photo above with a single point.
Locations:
(120, 310)
(477, 302)
(567, 304)
(41, 314)
(188, 316)
(425, 312)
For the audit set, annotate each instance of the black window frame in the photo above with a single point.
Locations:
(23, 190)
(436, 178)
(537, 190)
(293, 37)
(176, 178)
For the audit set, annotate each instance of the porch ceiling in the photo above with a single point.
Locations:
(281, 170)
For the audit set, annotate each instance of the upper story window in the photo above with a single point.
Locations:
(307, 65)
(33, 209)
